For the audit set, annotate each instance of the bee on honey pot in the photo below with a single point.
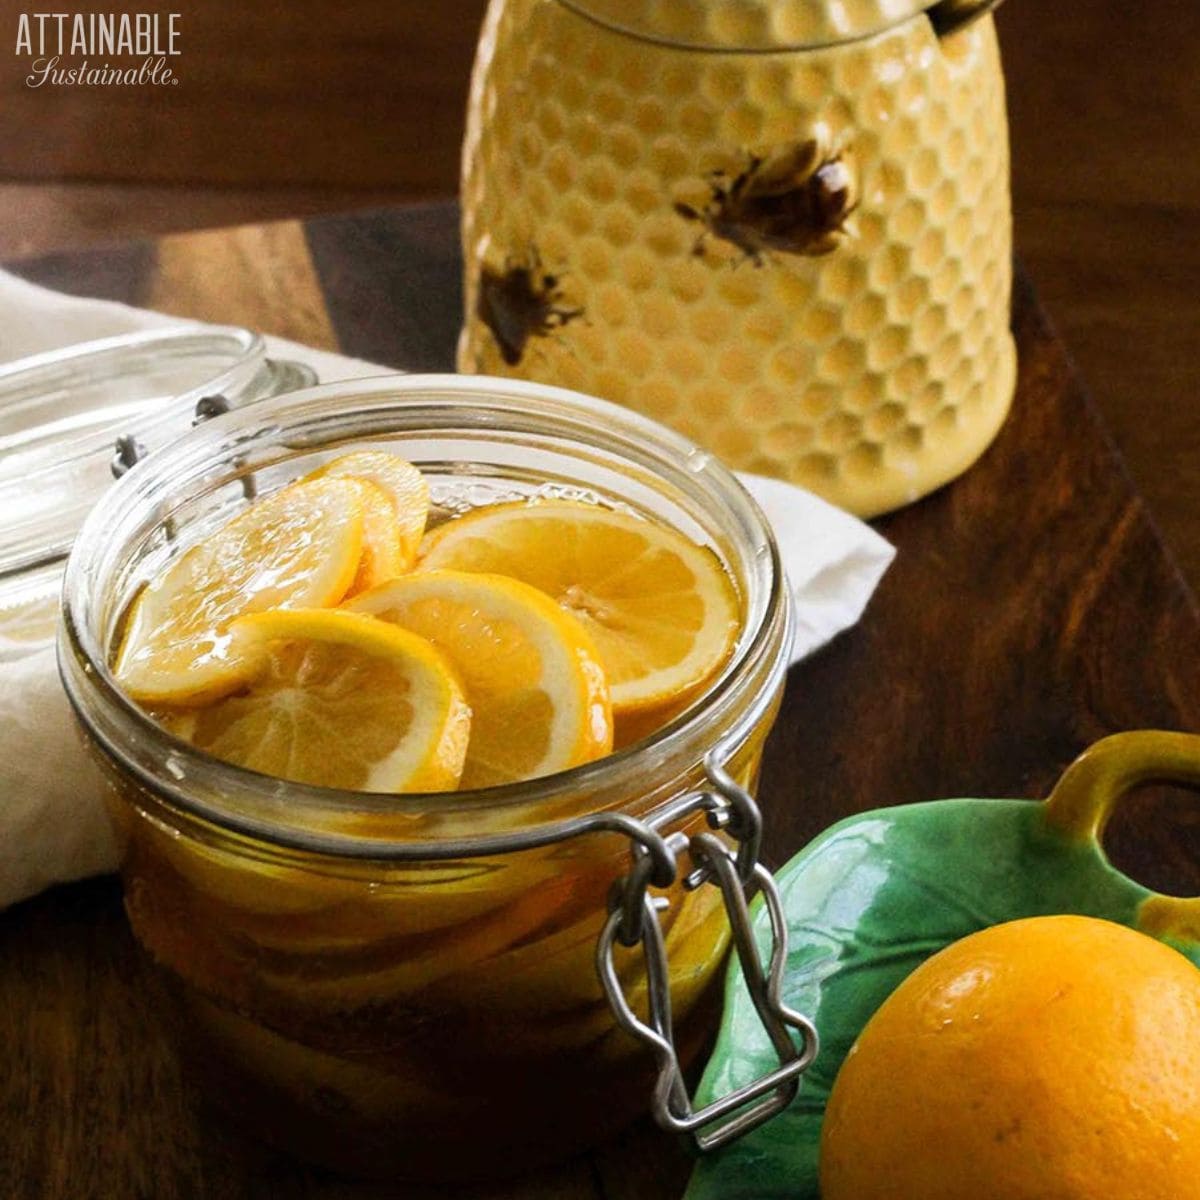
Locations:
(795, 203)
(520, 302)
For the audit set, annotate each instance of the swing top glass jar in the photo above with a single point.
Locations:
(406, 984)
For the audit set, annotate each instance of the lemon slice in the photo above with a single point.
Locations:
(383, 554)
(661, 610)
(401, 482)
(298, 548)
(338, 699)
(538, 695)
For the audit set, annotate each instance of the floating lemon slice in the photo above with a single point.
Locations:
(338, 699)
(403, 485)
(298, 548)
(532, 675)
(661, 610)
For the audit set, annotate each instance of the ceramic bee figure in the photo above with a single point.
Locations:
(520, 302)
(781, 226)
(797, 205)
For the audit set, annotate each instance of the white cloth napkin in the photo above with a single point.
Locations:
(52, 826)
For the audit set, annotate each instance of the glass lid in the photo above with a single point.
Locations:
(72, 419)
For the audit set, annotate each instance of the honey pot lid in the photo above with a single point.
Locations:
(750, 24)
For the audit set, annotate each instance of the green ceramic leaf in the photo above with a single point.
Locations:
(876, 895)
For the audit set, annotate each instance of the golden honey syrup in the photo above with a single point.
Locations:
(797, 257)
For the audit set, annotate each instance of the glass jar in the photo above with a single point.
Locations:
(406, 984)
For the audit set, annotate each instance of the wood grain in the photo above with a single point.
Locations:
(1032, 608)
(1102, 101)
(1106, 198)
(260, 276)
(36, 218)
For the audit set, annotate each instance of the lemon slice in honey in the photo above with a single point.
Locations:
(405, 488)
(298, 548)
(661, 610)
(532, 675)
(337, 699)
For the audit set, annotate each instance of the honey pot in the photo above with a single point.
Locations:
(781, 226)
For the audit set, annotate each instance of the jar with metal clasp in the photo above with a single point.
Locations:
(442, 985)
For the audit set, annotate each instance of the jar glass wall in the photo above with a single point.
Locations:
(353, 992)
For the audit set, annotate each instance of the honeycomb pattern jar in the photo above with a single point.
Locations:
(781, 226)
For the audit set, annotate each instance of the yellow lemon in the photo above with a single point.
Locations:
(1048, 1057)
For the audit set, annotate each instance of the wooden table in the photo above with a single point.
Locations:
(1032, 609)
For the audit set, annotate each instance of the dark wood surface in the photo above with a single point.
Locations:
(1106, 202)
(1032, 609)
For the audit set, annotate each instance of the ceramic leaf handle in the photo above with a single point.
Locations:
(1085, 796)
(1093, 785)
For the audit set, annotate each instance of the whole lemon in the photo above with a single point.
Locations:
(1054, 1058)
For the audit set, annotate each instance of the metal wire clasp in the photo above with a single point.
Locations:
(128, 451)
(633, 919)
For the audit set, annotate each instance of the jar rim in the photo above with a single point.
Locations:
(170, 767)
